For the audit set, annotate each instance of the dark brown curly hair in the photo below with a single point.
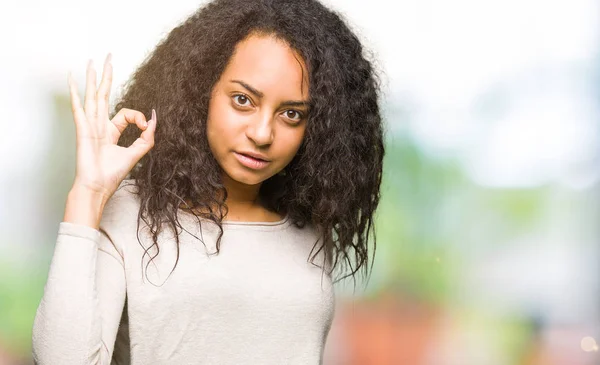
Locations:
(334, 180)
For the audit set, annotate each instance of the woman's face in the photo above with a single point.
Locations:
(259, 106)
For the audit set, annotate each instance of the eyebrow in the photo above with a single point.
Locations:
(260, 94)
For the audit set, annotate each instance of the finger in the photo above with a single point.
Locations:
(104, 89)
(145, 142)
(90, 93)
(125, 117)
(78, 113)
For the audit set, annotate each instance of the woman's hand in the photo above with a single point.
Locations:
(101, 164)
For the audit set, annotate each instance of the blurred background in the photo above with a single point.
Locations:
(488, 225)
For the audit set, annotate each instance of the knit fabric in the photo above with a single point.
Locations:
(259, 301)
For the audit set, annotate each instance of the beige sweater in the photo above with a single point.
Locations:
(259, 301)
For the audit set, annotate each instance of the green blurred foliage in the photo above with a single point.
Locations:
(20, 289)
(430, 212)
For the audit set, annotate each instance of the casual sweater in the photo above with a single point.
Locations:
(259, 301)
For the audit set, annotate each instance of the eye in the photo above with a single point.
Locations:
(293, 115)
(242, 100)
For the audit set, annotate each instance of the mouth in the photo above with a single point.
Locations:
(251, 162)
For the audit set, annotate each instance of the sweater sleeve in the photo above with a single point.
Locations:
(78, 316)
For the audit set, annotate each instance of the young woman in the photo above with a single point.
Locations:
(212, 236)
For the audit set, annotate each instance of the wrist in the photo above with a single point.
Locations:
(84, 207)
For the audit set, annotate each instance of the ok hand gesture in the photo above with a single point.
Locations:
(101, 163)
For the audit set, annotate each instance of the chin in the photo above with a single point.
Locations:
(247, 177)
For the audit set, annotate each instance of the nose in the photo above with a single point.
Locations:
(260, 129)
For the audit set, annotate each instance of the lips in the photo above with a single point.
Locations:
(250, 156)
(254, 155)
(251, 162)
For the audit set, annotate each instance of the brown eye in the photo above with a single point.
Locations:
(241, 100)
(293, 115)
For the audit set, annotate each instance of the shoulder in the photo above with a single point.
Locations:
(307, 231)
(311, 239)
(315, 241)
(123, 202)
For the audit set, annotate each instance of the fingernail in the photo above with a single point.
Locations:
(154, 115)
(109, 57)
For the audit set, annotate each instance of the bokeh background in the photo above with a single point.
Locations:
(488, 227)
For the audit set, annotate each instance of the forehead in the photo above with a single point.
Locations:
(270, 65)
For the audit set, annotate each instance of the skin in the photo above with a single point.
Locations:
(240, 119)
(101, 163)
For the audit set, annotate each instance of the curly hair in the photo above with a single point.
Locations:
(333, 181)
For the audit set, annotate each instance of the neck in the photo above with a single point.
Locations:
(242, 201)
(244, 204)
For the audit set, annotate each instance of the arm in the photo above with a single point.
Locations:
(78, 317)
(79, 314)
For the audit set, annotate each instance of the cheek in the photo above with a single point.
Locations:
(291, 143)
(219, 126)
(212, 133)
